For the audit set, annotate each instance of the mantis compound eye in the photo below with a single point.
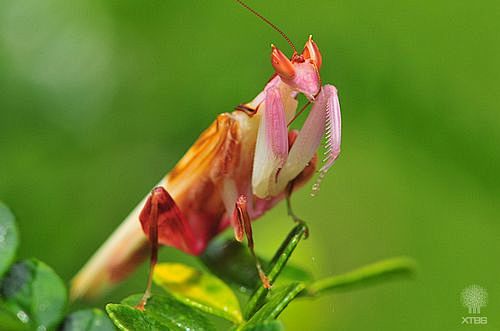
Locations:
(311, 52)
(283, 66)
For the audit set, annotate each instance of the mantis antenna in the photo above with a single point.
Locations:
(269, 23)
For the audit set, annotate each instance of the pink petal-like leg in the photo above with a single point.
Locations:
(272, 145)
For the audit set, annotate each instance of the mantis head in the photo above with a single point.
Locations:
(301, 72)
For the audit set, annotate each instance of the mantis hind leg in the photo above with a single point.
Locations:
(243, 225)
(163, 223)
(153, 238)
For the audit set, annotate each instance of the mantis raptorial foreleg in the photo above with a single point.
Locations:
(323, 120)
(274, 165)
(271, 148)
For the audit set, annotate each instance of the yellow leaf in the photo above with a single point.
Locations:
(198, 289)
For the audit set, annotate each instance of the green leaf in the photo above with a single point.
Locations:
(88, 320)
(128, 318)
(376, 272)
(34, 293)
(9, 321)
(8, 238)
(161, 313)
(232, 262)
(275, 267)
(198, 289)
(265, 326)
(278, 300)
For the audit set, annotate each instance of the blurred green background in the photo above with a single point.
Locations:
(98, 99)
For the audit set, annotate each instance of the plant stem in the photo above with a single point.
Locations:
(394, 267)
(275, 267)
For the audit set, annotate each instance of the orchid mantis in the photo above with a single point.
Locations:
(240, 167)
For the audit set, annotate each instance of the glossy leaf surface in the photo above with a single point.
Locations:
(198, 289)
(160, 313)
(34, 293)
